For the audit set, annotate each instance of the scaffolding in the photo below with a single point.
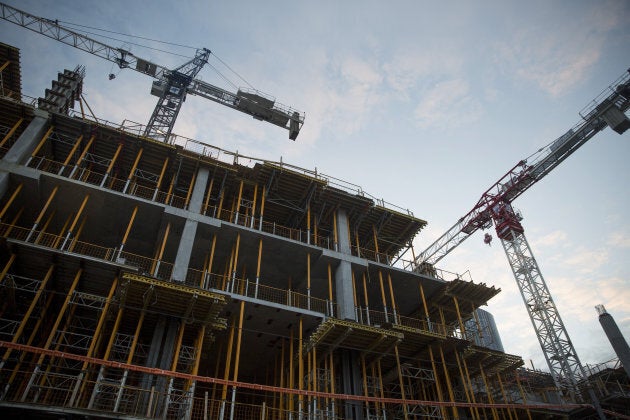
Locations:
(162, 280)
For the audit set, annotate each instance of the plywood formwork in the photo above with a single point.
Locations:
(149, 279)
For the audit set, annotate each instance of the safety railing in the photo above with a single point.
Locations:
(144, 265)
(381, 318)
(256, 290)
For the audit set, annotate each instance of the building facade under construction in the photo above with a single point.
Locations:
(150, 279)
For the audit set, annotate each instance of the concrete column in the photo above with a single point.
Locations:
(26, 143)
(24, 146)
(343, 274)
(180, 268)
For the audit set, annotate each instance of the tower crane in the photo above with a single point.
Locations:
(495, 207)
(171, 86)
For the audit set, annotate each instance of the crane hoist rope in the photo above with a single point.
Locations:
(171, 86)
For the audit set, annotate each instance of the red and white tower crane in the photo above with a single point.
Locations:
(495, 207)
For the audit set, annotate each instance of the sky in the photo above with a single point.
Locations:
(424, 104)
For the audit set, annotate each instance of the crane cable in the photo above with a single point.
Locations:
(221, 75)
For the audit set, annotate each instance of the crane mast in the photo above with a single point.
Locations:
(494, 207)
(171, 86)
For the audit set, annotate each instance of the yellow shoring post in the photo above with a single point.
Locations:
(262, 206)
(10, 201)
(169, 192)
(190, 189)
(76, 237)
(462, 328)
(391, 295)
(29, 342)
(448, 382)
(160, 178)
(330, 289)
(128, 230)
(27, 315)
(199, 349)
(77, 143)
(254, 203)
(441, 311)
(332, 380)
(380, 382)
(132, 172)
(509, 411)
(178, 346)
(238, 202)
(315, 376)
(76, 219)
(95, 340)
(365, 297)
(59, 236)
(82, 155)
(211, 257)
(11, 132)
(309, 380)
(356, 240)
(376, 251)
(300, 369)
(281, 376)
(520, 389)
(260, 244)
(424, 305)
(354, 293)
(5, 270)
(204, 210)
(45, 227)
(238, 341)
(308, 223)
(473, 410)
(495, 414)
(228, 360)
(5, 65)
(45, 208)
(374, 394)
(315, 231)
(470, 386)
(112, 163)
(54, 363)
(308, 279)
(53, 331)
(335, 236)
(13, 222)
(291, 368)
(216, 375)
(155, 266)
(401, 381)
(384, 299)
(236, 248)
(42, 141)
(438, 388)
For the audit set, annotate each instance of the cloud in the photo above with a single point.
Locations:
(448, 103)
(619, 240)
(556, 61)
(552, 239)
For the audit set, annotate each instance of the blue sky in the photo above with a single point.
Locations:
(423, 103)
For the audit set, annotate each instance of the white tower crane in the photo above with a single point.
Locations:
(171, 86)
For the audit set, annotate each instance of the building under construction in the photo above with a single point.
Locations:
(150, 279)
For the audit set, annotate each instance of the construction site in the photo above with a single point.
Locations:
(149, 275)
